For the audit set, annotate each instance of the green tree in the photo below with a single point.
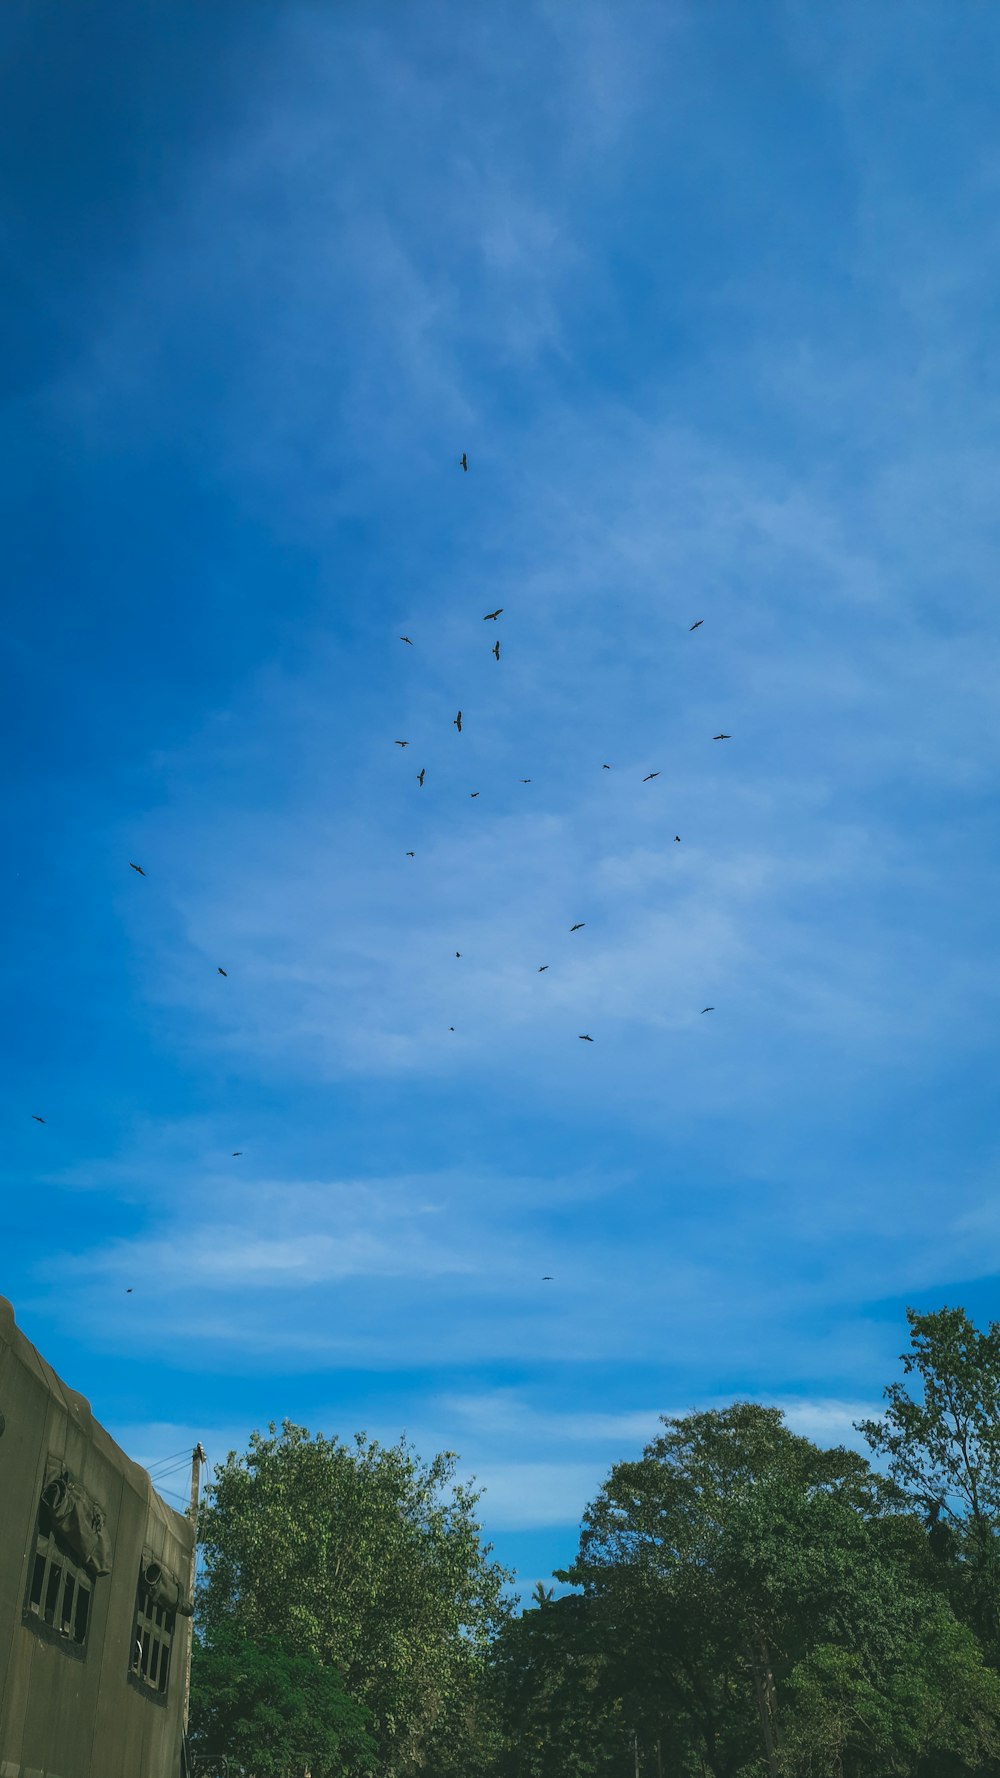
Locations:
(362, 1559)
(556, 1714)
(943, 1447)
(262, 1706)
(669, 1546)
(926, 1707)
(733, 1552)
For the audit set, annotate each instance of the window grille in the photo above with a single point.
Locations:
(154, 1633)
(59, 1589)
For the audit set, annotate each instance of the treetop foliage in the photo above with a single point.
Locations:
(747, 1604)
(945, 1445)
(366, 1559)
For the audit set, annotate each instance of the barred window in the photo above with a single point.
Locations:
(154, 1631)
(59, 1588)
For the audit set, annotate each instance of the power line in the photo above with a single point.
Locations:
(172, 1469)
(162, 1461)
(173, 1495)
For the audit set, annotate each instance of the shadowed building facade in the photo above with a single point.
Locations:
(95, 1606)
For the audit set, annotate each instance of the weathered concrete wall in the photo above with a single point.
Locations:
(68, 1712)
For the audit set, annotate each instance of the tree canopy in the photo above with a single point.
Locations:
(943, 1447)
(752, 1597)
(366, 1560)
(745, 1603)
(263, 1705)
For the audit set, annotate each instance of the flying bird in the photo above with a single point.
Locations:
(38, 1120)
(578, 925)
(406, 639)
(492, 614)
(137, 867)
(495, 650)
(525, 780)
(677, 837)
(650, 775)
(223, 972)
(708, 1009)
(458, 722)
(542, 966)
(236, 1153)
(548, 1279)
(585, 1039)
(420, 776)
(464, 461)
(411, 855)
(402, 743)
(458, 953)
(451, 1027)
(473, 793)
(129, 1291)
(697, 626)
(605, 768)
(722, 737)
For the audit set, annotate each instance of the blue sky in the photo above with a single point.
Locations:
(708, 295)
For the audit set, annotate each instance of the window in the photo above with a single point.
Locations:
(154, 1628)
(59, 1589)
(72, 1550)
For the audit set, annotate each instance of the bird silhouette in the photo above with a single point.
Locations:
(650, 775)
(236, 1153)
(585, 1039)
(473, 793)
(421, 775)
(223, 972)
(492, 614)
(525, 780)
(708, 1009)
(451, 1027)
(38, 1120)
(464, 461)
(495, 650)
(548, 1279)
(137, 867)
(458, 722)
(458, 953)
(697, 626)
(129, 1291)
(402, 743)
(411, 855)
(677, 837)
(722, 737)
(542, 966)
(406, 639)
(578, 925)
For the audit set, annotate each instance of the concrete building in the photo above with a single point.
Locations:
(95, 1590)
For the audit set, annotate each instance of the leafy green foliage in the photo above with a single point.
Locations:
(748, 1605)
(550, 1688)
(943, 1446)
(358, 1558)
(264, 1707)
(767, 1600)
(712, 1561)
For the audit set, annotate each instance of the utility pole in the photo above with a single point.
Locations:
(198, 1457)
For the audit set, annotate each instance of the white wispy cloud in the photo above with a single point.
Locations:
(497, 1416)
(526, 1490)
(320, 332)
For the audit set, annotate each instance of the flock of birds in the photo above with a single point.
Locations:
(489, 617)
(492, 617)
